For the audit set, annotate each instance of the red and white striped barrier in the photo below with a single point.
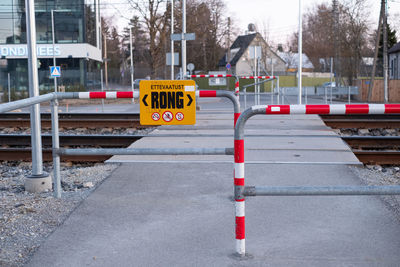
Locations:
(257, 77)
(108, 95)
(239, 173)
(211, 76)
(331, 109)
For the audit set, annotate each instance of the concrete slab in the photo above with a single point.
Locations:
(180, 215)
(276, 146)
(178, 211)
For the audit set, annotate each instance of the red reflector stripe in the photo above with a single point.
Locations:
(317, 109)
(239, 181)
(357, 109)
(392, 108)
(281, 109)
(240, 228)
(124, 94)
(236, 117)
(208, 93)
(239, 151)
(97, 94)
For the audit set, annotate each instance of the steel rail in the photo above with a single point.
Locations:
(25, 154)
(144, 151)
(72, 140)
(78, 120)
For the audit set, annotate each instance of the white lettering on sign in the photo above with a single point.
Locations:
(22, 51)
(189, 88)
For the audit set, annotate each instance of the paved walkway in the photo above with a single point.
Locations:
(178, 211)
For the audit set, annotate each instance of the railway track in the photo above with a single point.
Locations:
(368, 121)
(383, 150)
(75, 120)
(17, 147)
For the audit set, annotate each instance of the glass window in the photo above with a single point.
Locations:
(43, 27)
(6, 26)
(69, 27)
(90, 21)
(19, 28)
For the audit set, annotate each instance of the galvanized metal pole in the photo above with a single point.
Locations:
(183, 38)
(300, 51)
(255, 75)
(132, 70)
(102, 89)
(9, 87)
(331, 80)
(37, 165)
(172, 42)
(56, 145)
(54, 53)
(38, 181)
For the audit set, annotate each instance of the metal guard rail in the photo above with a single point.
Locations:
(57, 151)
(241, 191)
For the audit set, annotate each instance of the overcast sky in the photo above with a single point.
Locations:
(279, 17)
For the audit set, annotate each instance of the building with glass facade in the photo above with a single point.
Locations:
(77, 42)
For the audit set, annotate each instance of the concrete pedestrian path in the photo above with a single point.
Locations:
(179, 210)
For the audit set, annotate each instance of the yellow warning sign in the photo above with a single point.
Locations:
(167, 102)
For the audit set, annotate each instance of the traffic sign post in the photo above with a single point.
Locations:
(55, 71)
(167, 102)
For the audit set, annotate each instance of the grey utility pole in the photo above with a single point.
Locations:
(385, 53)
(54, 54)
(38, 181)
(172, 41)
(183, 39)
(378, 36)
(300, 51)
(132, 69)
(336, 40)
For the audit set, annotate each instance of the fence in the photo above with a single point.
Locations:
(241, 191)
(378, 91)
(57, 151)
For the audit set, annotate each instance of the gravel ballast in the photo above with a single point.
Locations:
(27, 219)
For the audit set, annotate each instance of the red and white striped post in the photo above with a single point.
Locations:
(239, 198)
(239, 167)
(221, 93)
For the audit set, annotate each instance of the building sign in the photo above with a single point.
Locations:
(79, 50)
(22, 51)
(167, 102)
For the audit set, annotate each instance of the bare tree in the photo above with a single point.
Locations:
(153, 19)
(318, 36)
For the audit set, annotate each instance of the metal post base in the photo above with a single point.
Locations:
(38, 183)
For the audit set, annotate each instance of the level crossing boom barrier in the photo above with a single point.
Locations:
(241, 191)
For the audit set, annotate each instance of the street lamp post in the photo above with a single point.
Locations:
(54, 51)
(300, 52)
(172, 41)
(130, 45)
